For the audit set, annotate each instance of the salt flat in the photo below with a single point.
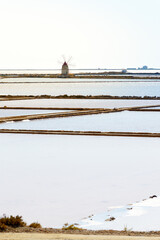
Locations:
(79, 103)
(59, 179)
(140, 216)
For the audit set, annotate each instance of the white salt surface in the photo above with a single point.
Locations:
(78, 103)
(16, 112)
(109, 122)
(153, 108)
(141, 216)
(74, 80)
(87, 88)
(59, 179)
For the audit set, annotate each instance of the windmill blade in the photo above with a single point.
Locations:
(70, 58)
(64, 59)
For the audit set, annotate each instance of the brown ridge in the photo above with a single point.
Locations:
(81, 133)
(56, 115)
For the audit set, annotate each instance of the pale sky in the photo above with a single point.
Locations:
(96, 33)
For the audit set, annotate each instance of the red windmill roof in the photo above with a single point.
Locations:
(65, 64)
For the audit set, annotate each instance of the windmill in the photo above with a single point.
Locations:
(65, 66)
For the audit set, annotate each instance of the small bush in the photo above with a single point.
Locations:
(2, 227)
(71, 227)
(11, 221)
(35, 225)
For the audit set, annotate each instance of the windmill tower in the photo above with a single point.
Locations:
(65, 69)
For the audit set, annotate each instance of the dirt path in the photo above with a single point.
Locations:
(35, 236)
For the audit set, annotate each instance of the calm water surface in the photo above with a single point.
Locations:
(110, 122)
(83, 88)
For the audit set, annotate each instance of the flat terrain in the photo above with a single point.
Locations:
(35, 236)
(87, 166)
(117, 171)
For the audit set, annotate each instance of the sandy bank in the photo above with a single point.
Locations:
(35, 236)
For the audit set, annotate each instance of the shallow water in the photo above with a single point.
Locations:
(15, 112)
(81, 88)
(108, 122)
(73, 80)
(79, 103)
(152, 108)
(59, 179)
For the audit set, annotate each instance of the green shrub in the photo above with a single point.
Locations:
(11, 221)
(35, 225)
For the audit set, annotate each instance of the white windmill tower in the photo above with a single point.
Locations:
(65, 67)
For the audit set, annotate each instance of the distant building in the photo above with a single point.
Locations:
(65, 69)
(124, 71)
(144, 67)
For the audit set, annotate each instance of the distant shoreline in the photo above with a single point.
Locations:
(110, 75)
